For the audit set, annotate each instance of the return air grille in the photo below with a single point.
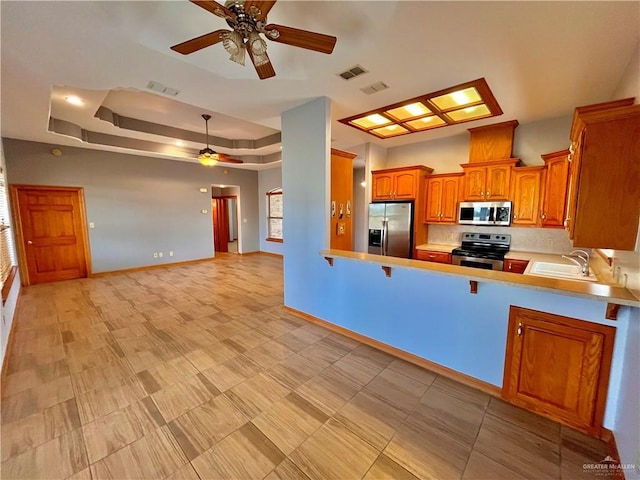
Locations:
(160, 88)
(374, 88)
(353, 72)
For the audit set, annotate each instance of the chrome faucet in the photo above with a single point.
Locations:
(574, 255)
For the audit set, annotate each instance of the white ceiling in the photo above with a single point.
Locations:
(541, 59)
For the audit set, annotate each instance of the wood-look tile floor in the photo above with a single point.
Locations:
(197, 372)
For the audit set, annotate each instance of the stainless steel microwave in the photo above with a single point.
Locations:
(484, 213)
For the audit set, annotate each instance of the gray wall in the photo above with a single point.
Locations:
(139, 205)
(445, 155)
(268, 180)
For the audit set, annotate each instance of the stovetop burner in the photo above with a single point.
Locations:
(484, 245)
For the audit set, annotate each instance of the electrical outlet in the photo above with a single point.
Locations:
(155, 254)
(549, 242)
(161, 254)
(171, 253)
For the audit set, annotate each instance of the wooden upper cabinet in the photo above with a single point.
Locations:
(498, 178)
(434, 197)
(487, 181)
(525, 194)
(398, 183)
(603, 203)
(382, 186)
(406, 185)
(558, 367)
(442, 198)
(492, 142)
(475, 183)
(555, 188)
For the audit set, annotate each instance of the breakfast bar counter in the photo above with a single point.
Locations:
(591, 290)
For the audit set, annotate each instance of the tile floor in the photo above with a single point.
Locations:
(197, 372)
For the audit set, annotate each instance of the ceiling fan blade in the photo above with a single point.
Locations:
(263, 6)
(223, 157)
(300, 38)
(200, 42)
(215, 8)
(265, 70)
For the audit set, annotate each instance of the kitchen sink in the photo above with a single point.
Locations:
(560, 270)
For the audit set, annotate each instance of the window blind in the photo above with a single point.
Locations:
(7, 255)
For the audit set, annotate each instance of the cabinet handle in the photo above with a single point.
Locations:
(515, 216)
(520, 329)
(566, 222)
(488, 194)
(432, 256)
(544, 215)
(510, 266)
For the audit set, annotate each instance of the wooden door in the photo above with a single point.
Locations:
(498, 182)
(434, 195)
(474, 183)
(526, 195)
(449, 200)
(220, 215)
(52, 236)
(555, 190)
(559, 367)
(382, 187)
(405, 185)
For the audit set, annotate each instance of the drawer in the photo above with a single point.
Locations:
(431, 256)
(515, 266)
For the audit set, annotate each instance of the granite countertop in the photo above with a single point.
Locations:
(436, 247)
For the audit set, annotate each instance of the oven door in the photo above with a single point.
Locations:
(484, 263)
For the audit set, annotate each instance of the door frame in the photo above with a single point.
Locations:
(15, 210)
(227, 197)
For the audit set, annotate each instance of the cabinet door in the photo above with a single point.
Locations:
(526, 196)
(497, 184)
(555, 192)
(405, 185)
(474, 183)
(449, 200)
(434, 194)
(512, 265)
(382, 188)
(558, 366)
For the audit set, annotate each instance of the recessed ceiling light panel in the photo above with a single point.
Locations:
(73, 100)
(461, 103)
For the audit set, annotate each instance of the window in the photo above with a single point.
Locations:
(274, 215)
(7, 259)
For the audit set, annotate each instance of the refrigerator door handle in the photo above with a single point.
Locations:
(385, 231)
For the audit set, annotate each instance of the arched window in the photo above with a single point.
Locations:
(274, 215)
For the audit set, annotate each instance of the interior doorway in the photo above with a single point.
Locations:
(224, 215)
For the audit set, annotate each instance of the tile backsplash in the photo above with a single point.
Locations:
(541, 240)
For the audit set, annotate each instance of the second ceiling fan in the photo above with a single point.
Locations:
(248, 19)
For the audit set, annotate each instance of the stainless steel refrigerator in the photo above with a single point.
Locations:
(391, 229)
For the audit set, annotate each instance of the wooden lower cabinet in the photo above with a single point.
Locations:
(513, 265)
(558, 367)
(433, 256)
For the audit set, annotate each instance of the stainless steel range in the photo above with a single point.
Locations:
(482, 250)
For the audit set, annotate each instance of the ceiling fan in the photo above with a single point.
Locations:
(248, 19)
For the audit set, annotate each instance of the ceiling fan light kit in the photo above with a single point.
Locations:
(248, 19)
(207, 156)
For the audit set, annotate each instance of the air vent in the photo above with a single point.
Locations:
(353, 72)
(158, 87)
(376, 87)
